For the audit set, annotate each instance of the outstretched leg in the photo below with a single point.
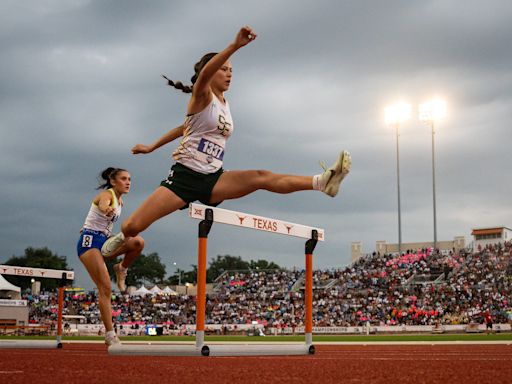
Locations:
(160, 203)
(235, 184)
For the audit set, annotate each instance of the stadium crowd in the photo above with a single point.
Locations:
(415, 288)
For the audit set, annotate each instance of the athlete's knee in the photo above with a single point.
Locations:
(264, 178)
(130, 228)
(137, 243)
(105, 289)
(263, 173)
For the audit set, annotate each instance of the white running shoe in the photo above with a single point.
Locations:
(112, 340)
(111, 245)
(120, 276)
(334, 175)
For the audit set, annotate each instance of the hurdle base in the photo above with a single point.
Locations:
(157, 350)
(31, 344)
(269, 349)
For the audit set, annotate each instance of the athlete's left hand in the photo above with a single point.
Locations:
(245, 36)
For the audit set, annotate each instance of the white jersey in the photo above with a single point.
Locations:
(98, 221)
(204, 138)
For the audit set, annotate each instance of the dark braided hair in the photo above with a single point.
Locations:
(197, 68)
(109, 174)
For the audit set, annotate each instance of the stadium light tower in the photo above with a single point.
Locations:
(177, 270)
(395, 115)
(430, 112)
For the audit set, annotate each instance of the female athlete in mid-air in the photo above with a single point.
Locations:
(197, 173)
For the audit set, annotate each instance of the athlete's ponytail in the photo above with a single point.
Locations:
(197, 69)
(107, 175)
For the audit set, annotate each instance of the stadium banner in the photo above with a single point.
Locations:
(384, 329)
(127, 329)
(13, 303)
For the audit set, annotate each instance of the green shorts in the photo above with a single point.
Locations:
(190, 185)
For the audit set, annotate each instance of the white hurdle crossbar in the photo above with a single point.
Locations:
(208, 216)
(36, 272)
(247, 220)
(65, 276)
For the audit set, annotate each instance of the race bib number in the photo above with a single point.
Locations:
(87, 241)
(211, 149)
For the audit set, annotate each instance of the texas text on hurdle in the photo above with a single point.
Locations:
(247, 220)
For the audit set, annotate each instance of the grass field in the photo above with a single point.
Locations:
(316, 338)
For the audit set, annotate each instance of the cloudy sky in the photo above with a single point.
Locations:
(80, 85)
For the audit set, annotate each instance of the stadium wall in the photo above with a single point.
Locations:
(13, 312)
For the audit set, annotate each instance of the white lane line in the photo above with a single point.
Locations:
(295, 358)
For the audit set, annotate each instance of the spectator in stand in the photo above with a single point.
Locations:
(488, 321)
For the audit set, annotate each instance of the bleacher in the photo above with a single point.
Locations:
(418, 288)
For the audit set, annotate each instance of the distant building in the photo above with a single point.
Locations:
(485, 236)
(382, 247)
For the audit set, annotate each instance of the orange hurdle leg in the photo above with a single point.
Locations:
(308, 289)
(204, 230)
(59, 316)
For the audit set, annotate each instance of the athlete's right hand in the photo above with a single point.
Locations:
(109, 211)
(141, 148)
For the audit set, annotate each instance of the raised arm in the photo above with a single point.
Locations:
(202, 86)
(167, 138)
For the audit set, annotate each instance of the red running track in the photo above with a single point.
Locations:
(90, 363)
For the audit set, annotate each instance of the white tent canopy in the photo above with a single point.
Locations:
(168, 291)
(6, 286)
(155, 290)
(142, 291)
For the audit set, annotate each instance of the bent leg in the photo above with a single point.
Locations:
(160, 203)
(95, 265)
(131, 248)
(235, 184)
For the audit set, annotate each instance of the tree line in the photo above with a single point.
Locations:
(147, 269)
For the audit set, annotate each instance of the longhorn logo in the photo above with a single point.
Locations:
(241, 218)
(288, 228)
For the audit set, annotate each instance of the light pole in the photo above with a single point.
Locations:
(179, 272)
(394, 116)
(430, 112)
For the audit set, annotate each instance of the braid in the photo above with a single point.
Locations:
(197, 68)
(178, 85)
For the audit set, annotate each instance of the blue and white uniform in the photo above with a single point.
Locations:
(98, 226)
(204, 138)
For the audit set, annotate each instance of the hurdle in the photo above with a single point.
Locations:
(208, 216)
(64, 277)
